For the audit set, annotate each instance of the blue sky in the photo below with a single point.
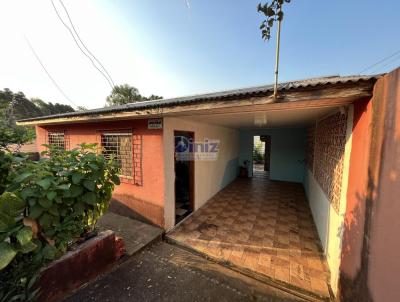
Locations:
(165, 48)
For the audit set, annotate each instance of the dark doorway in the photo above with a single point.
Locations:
(184, 174)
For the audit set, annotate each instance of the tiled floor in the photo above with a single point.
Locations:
(262, 226)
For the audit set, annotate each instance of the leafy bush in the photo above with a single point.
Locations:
(47, 207)
(5, 166)
(258, 154)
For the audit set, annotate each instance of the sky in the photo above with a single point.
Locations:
(168, 48)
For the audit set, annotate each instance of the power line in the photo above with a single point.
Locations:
(381, 61)
(80, 48)
(387, 64)
(83, 44)
(48, 74)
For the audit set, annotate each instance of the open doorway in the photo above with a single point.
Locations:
(261, 156)
(184, 174)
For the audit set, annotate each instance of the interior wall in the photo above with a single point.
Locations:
(328, 215)
(287, 152)
(210, 176)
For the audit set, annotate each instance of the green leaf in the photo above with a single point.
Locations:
(89, 184)
(45, 203)
(93, 166)
(23, 176)
(49, 252)
(24, 235)
(27, 192)
(45, 183)
(54, 210)
(5, 222)
(76, 191)
(63, 187)
(11, 204)
(51, 195)
(35, 211)
(77, 177)
(14, 186)
(27, 248)
(45, 220)
(89, 198)
(115, 179)
(7, 254)
(79, 207)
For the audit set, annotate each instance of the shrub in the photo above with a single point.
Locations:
(47, 206)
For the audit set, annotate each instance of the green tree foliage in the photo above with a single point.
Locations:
(126, 94)
(272, 12)
(20, 107)
(46, 207)
(15, 106)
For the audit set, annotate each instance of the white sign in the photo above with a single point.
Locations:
(155, 123)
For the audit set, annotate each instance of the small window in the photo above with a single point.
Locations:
(57, 139)
(119, 145)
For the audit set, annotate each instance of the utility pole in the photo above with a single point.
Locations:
(278, 43)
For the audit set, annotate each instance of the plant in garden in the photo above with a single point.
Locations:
(47, 206)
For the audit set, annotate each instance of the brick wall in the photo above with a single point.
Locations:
(325, 156)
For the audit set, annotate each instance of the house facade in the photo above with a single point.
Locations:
(322, 137)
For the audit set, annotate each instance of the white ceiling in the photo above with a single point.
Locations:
(294, 118)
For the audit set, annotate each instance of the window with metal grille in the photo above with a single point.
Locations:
(119, 145)
(57, 139)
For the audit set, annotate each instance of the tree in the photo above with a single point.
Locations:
(81, 108)
(15, 106)
(126, 94)
(273, 12)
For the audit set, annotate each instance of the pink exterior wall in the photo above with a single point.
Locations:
(129, 199)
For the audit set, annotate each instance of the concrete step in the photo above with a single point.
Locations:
(136, 234)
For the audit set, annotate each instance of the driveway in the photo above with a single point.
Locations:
(164, 272)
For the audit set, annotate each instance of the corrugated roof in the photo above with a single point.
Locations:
(228, 94)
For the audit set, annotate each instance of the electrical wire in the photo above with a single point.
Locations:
(381, 61)
(83, 44)
(386, 65)
(48, 74)
(80, 48)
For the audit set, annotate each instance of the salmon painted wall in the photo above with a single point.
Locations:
(370, 259)
(356, 194)
(146, 201)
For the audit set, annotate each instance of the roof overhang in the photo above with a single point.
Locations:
(319, 96)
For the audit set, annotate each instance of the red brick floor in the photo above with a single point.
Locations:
(260, 226)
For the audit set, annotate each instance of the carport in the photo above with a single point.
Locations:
(282, 226)
(262, 225)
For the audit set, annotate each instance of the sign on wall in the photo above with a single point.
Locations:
(154, 123)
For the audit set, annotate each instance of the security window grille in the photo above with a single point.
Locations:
(119, 145)
(57, 139)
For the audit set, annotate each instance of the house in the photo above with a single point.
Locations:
(324, 136)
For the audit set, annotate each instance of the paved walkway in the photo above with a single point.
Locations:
(263, 228)
(135, 234)
(165, 272)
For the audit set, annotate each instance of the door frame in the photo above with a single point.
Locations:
(191, 172)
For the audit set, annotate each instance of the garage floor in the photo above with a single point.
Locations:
(262, 227)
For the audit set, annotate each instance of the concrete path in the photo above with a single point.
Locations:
(136, 234)
(163, 272)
